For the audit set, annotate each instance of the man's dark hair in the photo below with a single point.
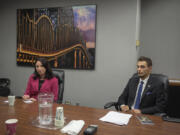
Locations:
(45, 64)
(146, 59)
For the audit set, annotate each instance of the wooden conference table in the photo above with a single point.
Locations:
(26, 112)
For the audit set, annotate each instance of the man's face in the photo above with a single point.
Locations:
(143, 70)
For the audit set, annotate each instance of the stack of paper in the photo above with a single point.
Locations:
(116, 118)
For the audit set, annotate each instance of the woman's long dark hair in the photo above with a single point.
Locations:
(45, 64)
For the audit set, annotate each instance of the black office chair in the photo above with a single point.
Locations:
(162, 78)
(60, 76)
(5, 87)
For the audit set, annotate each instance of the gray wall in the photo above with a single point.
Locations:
(115, 51)
(160, 35)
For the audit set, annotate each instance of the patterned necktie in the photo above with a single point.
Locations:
(138, 98)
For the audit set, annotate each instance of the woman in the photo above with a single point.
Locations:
(42, 80)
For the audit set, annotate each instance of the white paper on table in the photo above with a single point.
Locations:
(116, 118)
(27, 101)
(6, 101)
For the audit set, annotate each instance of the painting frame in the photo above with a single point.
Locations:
(66, 36)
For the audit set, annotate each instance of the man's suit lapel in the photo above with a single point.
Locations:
(148, 86)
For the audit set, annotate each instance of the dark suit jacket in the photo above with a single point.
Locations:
(153, 98)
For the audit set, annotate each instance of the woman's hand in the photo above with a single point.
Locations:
(33, 99)
(26, 97)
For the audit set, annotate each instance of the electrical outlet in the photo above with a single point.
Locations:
(68, 102)
(77, 104)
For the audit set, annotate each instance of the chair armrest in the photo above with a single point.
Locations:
(109, 104)
(4, 82)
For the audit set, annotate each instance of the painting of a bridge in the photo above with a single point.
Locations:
(66, 36)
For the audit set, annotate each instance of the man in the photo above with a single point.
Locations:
(143, 93)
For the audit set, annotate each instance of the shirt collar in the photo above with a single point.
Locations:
(145, 80)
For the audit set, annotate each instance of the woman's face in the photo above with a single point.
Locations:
(41, 70)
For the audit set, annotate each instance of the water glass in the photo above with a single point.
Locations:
(11, 100)
(45, 101)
